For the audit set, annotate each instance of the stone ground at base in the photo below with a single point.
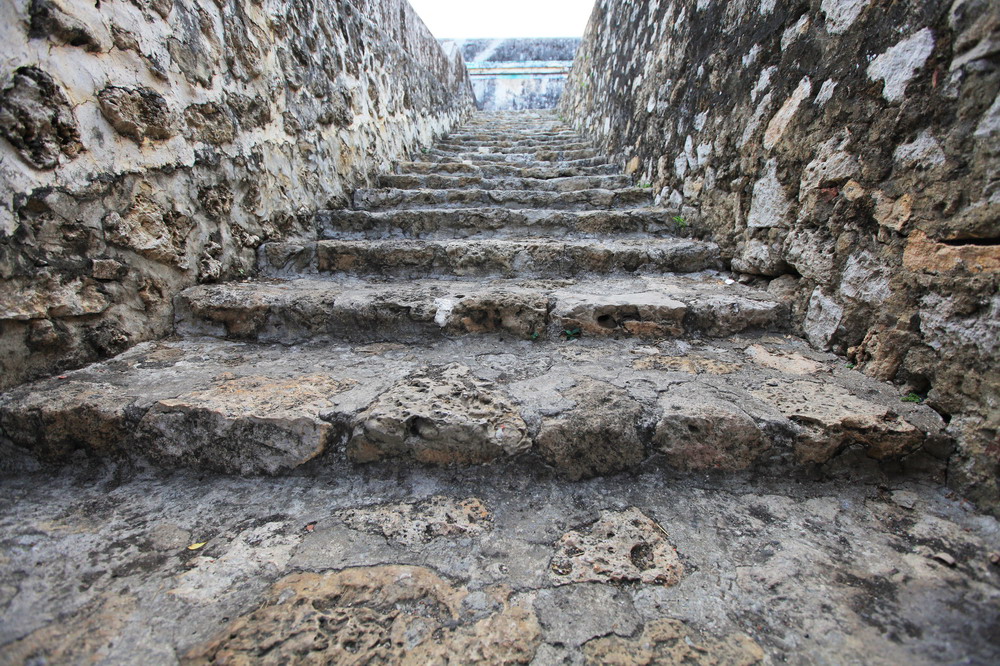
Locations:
(491, 564)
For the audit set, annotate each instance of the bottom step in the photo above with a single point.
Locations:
(585, 407)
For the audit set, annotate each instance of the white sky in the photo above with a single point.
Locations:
(471, 19)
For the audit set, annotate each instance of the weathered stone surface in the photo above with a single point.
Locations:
(440, 416)
(574, 614)
(807, 141)
(36, 117)
(287, 111)
(669, 642)
(599, 435)
(416, 523)
(525, 258)
(137, 113)
(246, 424)
(649, 307)
(704, 429)
(621, 546)
(70, 25)
(393, 614)
(830, 419)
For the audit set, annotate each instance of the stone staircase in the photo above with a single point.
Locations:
(507, 294)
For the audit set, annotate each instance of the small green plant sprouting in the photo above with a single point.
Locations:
(680, 221)
(645, 185)
(534, 335)
(572, 333)
(911, 397)
(851, 366)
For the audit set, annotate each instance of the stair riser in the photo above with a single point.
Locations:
(509, 147)
(494, 169)
(411, 318)
(488, 223)
(481, 259)
(373, 200)
(243, 409)
(416, 182)
(573, 158)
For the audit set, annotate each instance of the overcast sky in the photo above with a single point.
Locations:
(469, 19)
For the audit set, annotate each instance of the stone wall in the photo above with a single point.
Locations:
(146, 145)
(846, 152)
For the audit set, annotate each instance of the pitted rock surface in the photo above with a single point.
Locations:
(620, 547)
(599, 435)
(434, 518)
(390, 614)
(442, 416)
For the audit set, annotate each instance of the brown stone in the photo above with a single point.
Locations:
(385, 614)
(620, 547)
(929, 256)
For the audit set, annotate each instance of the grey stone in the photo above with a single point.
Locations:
(573, 614)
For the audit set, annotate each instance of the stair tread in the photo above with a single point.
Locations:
(495, 222)
(549, 170)
(298, 309)
(446, 182)
(397, 198)
(252, 408)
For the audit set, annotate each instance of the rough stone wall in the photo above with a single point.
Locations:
(146, 145)
(844, 150)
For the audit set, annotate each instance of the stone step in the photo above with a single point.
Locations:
(584, 158)
(582, 407)
(493, 169)
(508, 147)
(444, 182)
(474, 141)
(399, 199)
(534, 257)
(298, 310)
(491, 223)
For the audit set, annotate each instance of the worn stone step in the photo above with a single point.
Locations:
(583, 407)
(399, 199)
(577, 158)
(492, 223)
(474, 142)
(532, 257)
(445, 182)
(493, 169)
(292, 311)
(515, 148)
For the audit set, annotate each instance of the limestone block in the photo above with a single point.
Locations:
(830, 417)
(439, 415)
(35, 116)
(246, 424)
(900, 63)
(599, 435)
(137, 113)
(699, 428)
(822, 319)
(620, 547)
